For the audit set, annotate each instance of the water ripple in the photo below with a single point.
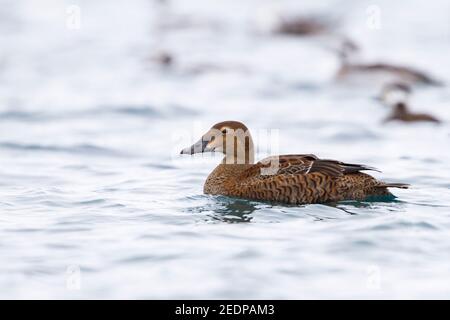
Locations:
(84, 149)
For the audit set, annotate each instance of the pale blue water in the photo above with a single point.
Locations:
(96, 202)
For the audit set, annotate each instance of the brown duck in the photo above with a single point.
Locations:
(293, 179)
(400, 112)
(303, 26)
(396, 96)
(349, 67)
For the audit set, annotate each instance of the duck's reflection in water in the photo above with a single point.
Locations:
(225, 209)
(390, 202)
(232, 210)
(235, 210)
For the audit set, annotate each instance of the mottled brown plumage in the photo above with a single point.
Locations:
(293, 179)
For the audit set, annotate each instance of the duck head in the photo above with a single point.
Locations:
(232, 138)
(399, 112)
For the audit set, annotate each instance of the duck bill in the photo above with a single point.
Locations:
(200, 146)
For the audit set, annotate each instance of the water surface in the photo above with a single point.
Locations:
(96, 202)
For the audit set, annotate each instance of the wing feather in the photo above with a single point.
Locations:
(302, 165)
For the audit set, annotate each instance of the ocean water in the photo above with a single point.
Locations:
(96, 201)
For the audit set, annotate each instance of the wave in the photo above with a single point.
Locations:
(140, 111)
(88, 149)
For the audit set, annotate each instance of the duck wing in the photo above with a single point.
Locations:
(302, 165)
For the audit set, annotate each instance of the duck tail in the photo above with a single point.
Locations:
(394, 185)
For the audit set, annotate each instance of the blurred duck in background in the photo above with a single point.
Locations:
(401, 113)
(163, 58)
(304, 25)
(351, 71)
(162, 13)
(272, 19)
(396, 96)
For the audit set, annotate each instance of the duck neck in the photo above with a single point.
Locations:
(233, 160)
(239, 156)
(401, 109)
(240, 152)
